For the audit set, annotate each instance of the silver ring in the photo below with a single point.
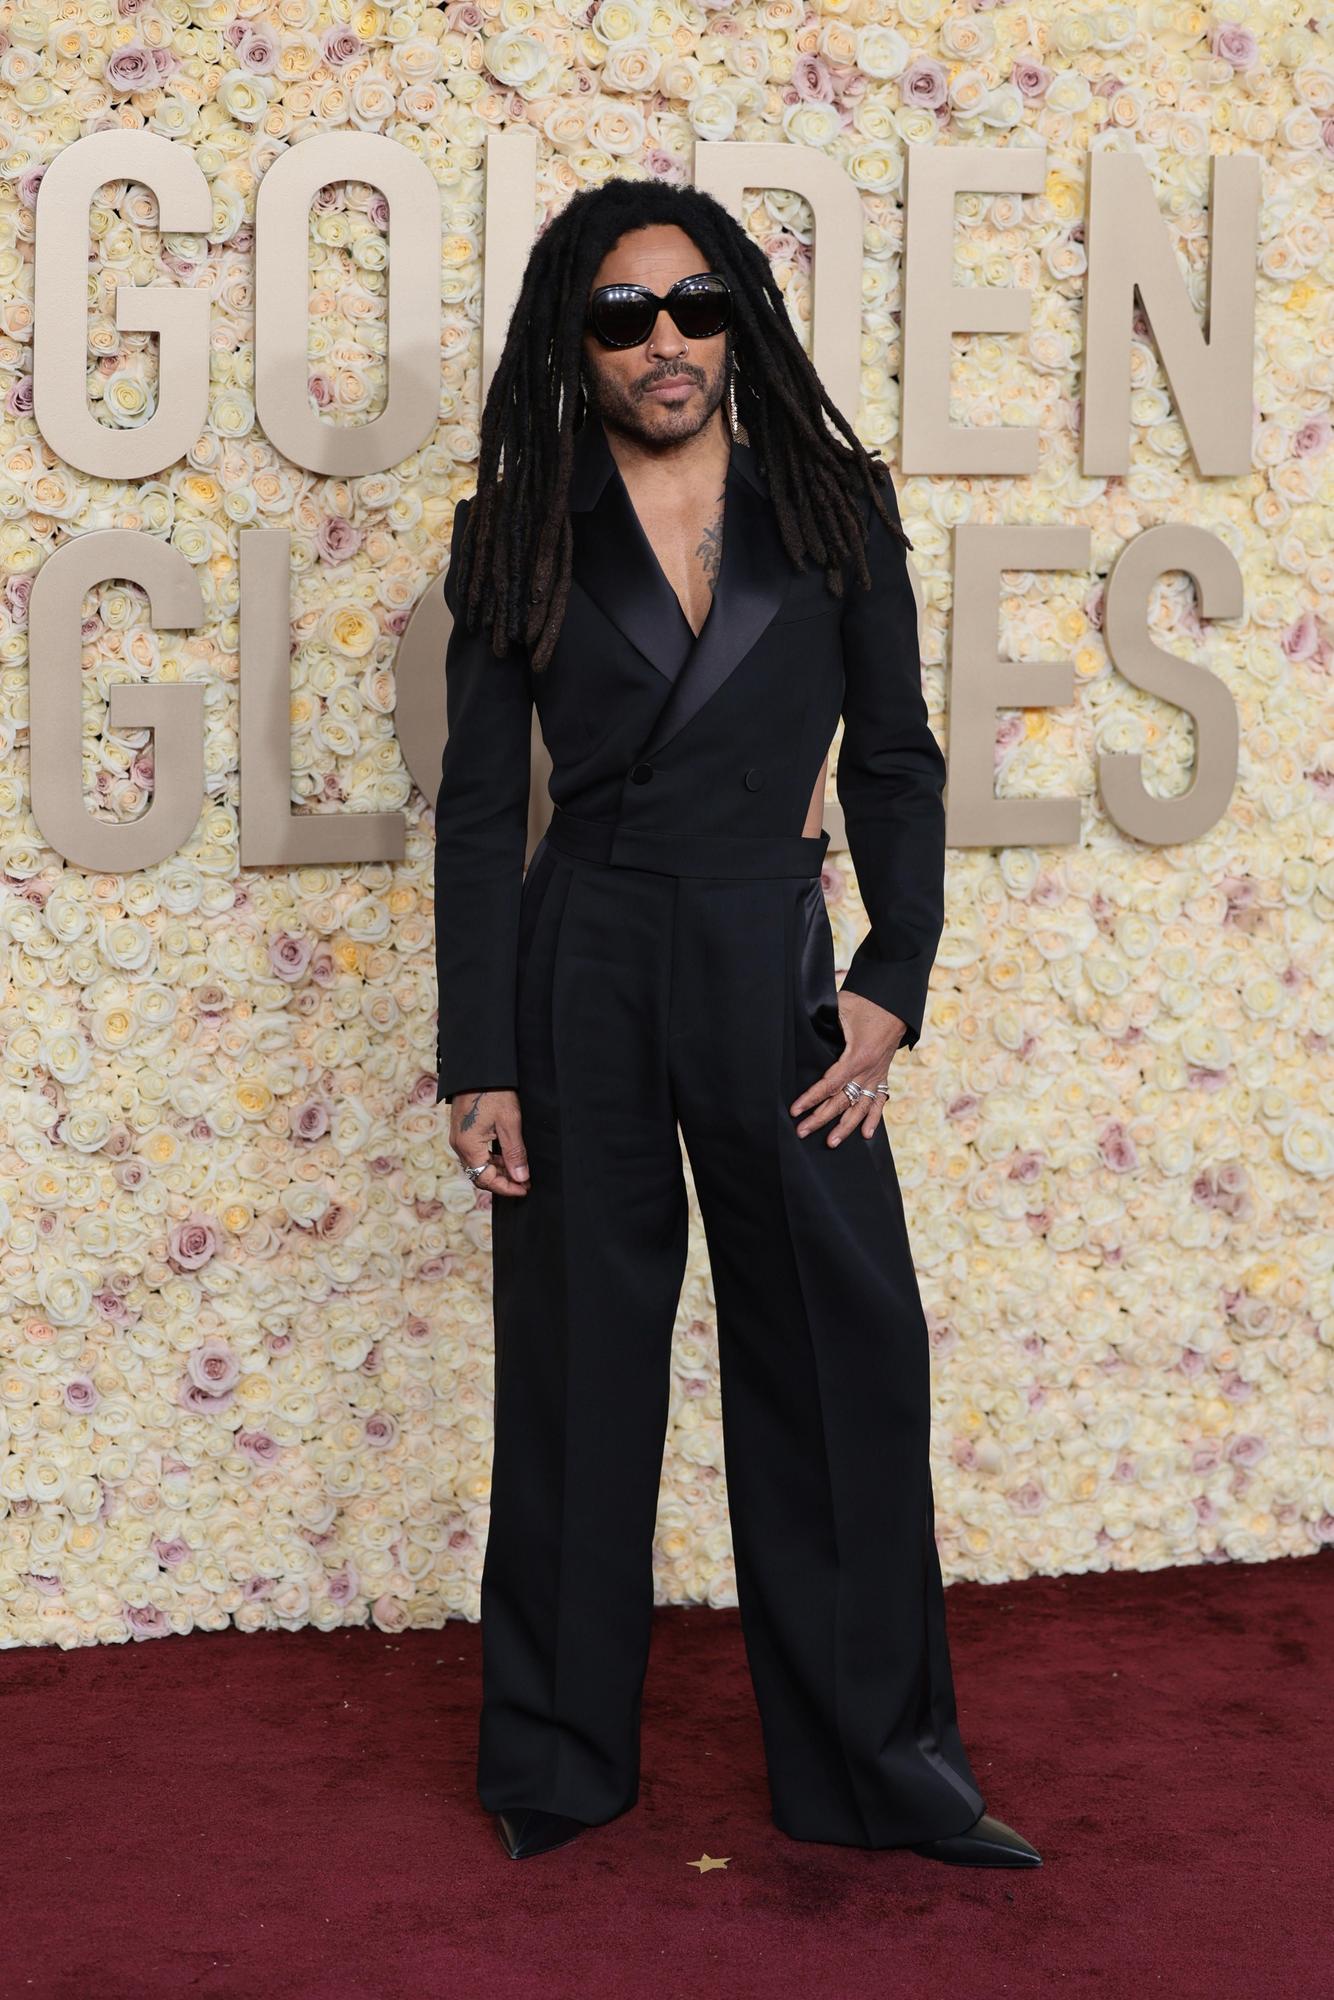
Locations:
(854, 1092)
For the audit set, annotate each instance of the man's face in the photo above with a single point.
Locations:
(630, 387)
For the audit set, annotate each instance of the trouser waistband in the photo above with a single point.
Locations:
(728, 856)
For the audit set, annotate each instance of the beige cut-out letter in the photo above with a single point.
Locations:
(178, 316)
(510, 226)
(980, 682)
(282, 266)
(935, 308)
(1188, 685)
(174, 713)
(272, 835)
(725, 170)
(419, 677)
(1209, 370)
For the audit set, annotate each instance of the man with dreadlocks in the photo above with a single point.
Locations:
(691, 611)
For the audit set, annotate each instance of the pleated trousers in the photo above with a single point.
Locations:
(651, 998)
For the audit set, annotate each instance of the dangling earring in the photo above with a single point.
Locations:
(731, 403)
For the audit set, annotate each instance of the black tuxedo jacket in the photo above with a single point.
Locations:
(654, 730)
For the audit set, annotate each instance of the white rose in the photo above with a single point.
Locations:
(882, 52)
(969, 91)
(245, 97)
(1068, 91)
(618, 129)
(1308, 1144)
(713, 115)
(632, 67)
(515, 58)
(806, 124)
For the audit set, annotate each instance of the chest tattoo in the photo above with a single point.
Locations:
(709, 548)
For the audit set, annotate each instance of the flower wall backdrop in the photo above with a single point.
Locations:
(245, 1361)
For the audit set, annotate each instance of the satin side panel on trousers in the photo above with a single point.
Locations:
(646, 999)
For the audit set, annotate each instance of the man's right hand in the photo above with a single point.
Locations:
(476, 1117)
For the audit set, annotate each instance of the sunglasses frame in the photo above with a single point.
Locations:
(662, 302)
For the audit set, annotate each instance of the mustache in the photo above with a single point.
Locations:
(671, 375)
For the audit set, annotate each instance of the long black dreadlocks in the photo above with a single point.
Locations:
(514, 556)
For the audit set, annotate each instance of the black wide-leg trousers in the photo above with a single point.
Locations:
(649, 999)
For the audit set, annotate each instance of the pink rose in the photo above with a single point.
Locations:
(812, 81)
(146, 1621)
(132, 68)
(311, 1120)
(190, 1244)
(343, 1585)
(1247, 1449)
(289, 955)
(1116, 1149)
(1030, 79)
(340, 46)
(1236, 46)
(1301, 639)
(213, 1366)
(337, 539)
(925, 82)
(258, 53)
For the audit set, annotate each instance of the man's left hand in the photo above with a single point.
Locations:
(872, 1035)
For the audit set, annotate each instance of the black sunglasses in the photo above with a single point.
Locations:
(625, 315)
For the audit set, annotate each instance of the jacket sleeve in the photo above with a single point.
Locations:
(890, 783)
(481, 839)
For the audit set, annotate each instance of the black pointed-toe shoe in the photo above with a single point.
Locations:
(526, 1830)
(987, 1843)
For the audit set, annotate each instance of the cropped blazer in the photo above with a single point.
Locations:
(673, 744)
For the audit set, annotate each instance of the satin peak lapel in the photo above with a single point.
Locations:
(615, 563)
(613, 559)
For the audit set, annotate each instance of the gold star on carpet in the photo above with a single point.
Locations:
(707, 1861)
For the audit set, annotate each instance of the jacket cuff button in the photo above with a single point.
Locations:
(754, 779)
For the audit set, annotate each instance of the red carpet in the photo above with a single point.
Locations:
(293, 1814)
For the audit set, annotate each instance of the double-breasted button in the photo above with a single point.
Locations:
(754, 778)
(642, 773)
